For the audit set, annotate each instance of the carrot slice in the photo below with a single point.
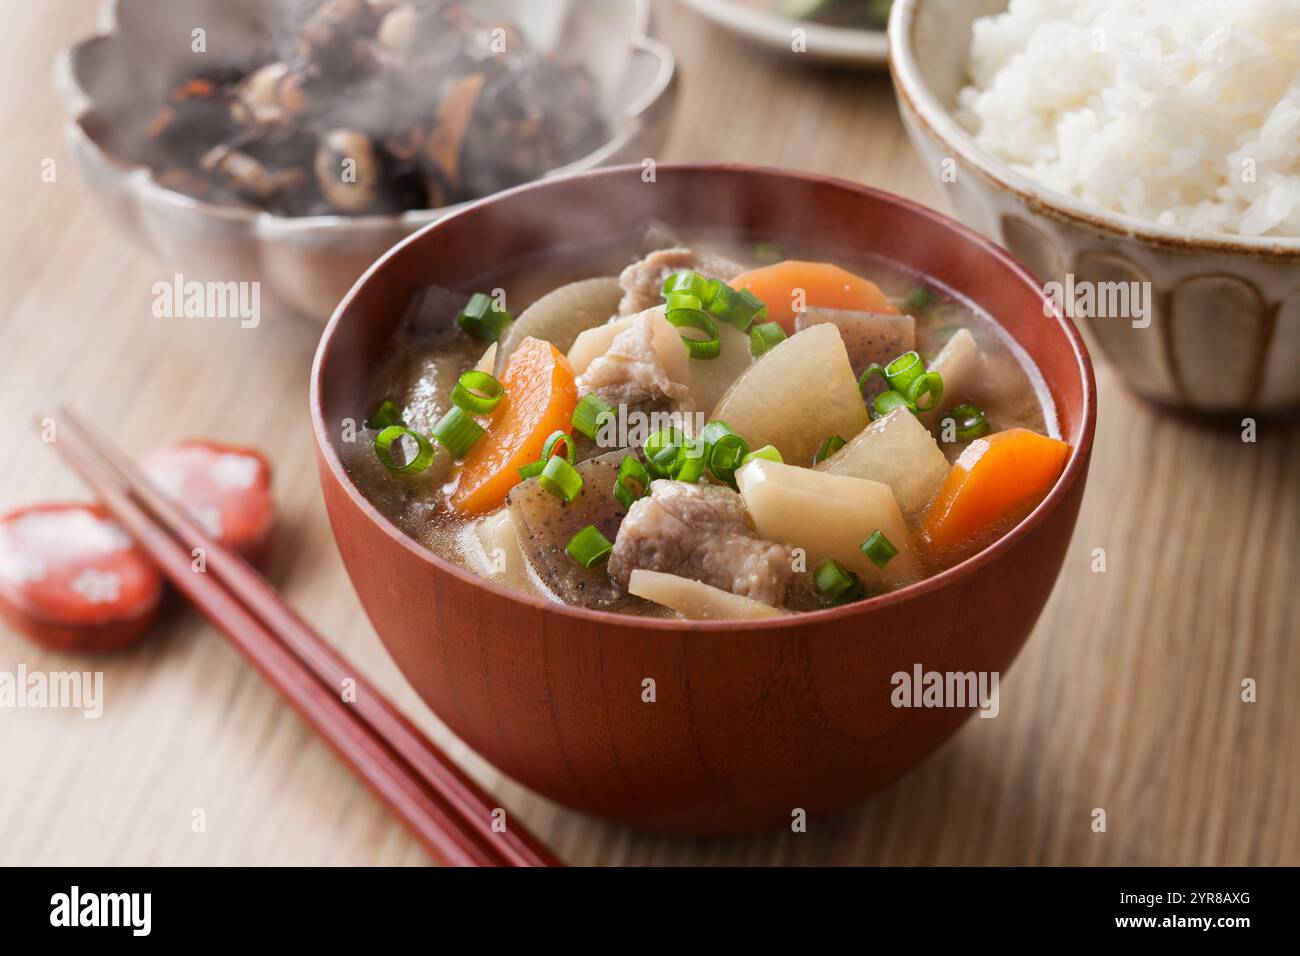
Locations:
(822, 285)
(997, 480)
(540, 395)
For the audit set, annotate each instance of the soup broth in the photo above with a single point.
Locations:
(721, 539)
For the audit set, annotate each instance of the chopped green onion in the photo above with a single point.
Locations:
(707, 347)
(664, 462)
(388, 413)
(689, 465)
(970, 422)
(686, 281)
(560, 479)
(904, 370)
(590, 415)
(906, 383)
(633, 481)
(553, 439)
(589, 547)
(533, 469)
(482, 319)
(738, 309)
(477, 392)
(836, 584)
(764, 337)
(767, 453)
(456, 431)
(724, 450)
(879, 549)
(684, 300)
(756, 306)
(385, 440)
(886, 402)
(725, 457)
(672, 435)
(663, 446)
(670, 454)
(875, 368)
(723, 302)
(919, 299)
(768, 252)
(829, 447)
(931, 384)
(692, 293)
(714, 430)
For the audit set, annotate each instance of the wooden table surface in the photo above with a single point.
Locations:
(1127, 696)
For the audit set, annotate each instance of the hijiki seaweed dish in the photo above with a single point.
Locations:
(357, 107)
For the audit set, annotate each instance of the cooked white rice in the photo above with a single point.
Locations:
(1181, 112)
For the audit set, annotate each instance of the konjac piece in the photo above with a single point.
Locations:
(868, 336)
(545, 524)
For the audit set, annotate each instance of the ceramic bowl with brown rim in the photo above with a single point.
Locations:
(752, 720)
(1224, 327)
(114, 81)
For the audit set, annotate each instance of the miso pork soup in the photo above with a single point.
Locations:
(704, 427)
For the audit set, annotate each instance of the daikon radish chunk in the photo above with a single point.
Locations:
(712, 377)
(868, 336)
(899, 451)
(667, 342)
(961, 364)
(561, 315)
(502, 559)
(828, 516)
(695, 599)
(796, 396)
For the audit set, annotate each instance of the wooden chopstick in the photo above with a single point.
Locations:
(446, 810)
(519, 846)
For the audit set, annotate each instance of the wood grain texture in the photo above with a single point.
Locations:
(1126, 697)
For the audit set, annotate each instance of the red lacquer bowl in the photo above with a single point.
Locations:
(754, 720)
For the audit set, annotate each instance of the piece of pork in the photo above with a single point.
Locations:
(643, 281)
(702, 532)
(632, 372)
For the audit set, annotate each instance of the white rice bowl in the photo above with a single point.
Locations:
(1184, 113)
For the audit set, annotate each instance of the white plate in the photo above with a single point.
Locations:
(831, 46)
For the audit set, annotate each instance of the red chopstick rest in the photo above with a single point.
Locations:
(72, 579)
(225, 489)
